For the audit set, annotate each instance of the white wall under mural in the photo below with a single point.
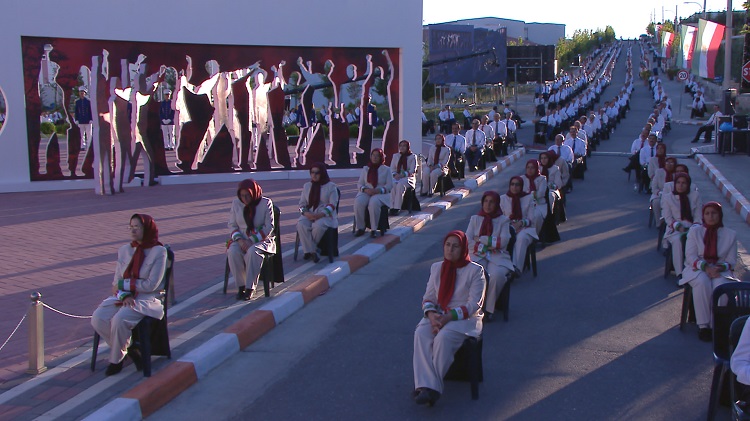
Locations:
(54, 73)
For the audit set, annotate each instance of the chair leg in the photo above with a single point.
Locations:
(533, 258)
(687, 302)
(650, 216)
(296, 246)
(668, 263)
(505, 299)
(94, 351)
(226, 275)
(475, 366)
(267, 274)
(145, 346)
(716, 385)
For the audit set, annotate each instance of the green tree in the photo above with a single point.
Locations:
(651, 29)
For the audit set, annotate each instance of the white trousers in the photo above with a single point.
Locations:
(656, 209)
(310, 233)
(430, 179)
(523, 240)
(399, 188)
(703, 291)
(245, 266)
(677, 255)
(433, 354)
(115, 324)
(167, 131)
(372, 203)
(495, 283)
(87, 130)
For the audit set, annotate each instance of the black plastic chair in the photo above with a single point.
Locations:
(150, 335)
(457, 165)
(687, 314)
(272, 270)
(410, 202)
(737, 296)
(467, 365)
(737, 392)
(383, 223)
(329, 244)
(445, 183)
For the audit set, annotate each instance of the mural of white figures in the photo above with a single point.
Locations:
(114, 110)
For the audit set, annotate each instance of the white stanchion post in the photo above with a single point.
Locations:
(36, 335)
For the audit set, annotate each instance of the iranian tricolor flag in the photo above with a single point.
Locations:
(687, 34)
(707, 47)
(667, 38)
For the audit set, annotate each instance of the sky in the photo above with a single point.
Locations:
(628, 18)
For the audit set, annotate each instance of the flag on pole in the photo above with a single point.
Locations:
(685, 57)
(667, 38)
(707, 48)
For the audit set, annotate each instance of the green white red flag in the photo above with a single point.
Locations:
(707, 48)
(687, 36)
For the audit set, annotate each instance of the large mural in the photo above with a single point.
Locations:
(107, 109)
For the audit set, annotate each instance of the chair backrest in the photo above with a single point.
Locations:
(730, 301)
(167, 276)
(278, 263)
(735, 331)
(512, 241)
(338, 191)
(740, 121)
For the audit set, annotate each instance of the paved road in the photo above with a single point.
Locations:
(593, 337)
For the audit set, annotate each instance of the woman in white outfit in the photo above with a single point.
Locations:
(251, 226)
(710, 256)
(519, 207)
(535, 184)
(404, 170)
(436, 165)
(488, 234)
(317, 206)
(680, 209)
(374, 187)
(452, 307)
(662, 176)
(135, 291)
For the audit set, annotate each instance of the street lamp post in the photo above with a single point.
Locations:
(728, 48)
(703, 8)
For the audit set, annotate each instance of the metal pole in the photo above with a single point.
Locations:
(728, 48)
(36, 335)
(704, 9)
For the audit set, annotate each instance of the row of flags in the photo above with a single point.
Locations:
(699, 48)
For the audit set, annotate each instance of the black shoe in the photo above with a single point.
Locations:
(373, 233)
(430, 195)
(488, 317)
(248, 295)
(427, 397)
(707, 141)
(627, 170)
(307, 256)
(113, 369)
(359, 233)
(315, 258)
(694, 141)
(422, 194)
(241, 293)
(135, 355)
(705, 334)
(394, 212)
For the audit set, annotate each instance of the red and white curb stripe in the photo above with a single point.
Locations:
(154, 392)
(740, 204)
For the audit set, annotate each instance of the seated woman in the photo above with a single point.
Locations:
(662, 176)
(404, 170)
(710, 256)
(657, 161)
(436, 165)
(680, 210)
(488, 234)
(135, 291)
(452, 307)
(519, 207)
(317, 206)
(252, 236)
(374, 186)
(669, 185)
(535, 184)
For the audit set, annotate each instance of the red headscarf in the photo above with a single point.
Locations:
(686, 214)
(711, 237)
(661, 159)
(486, 228)
(402, 160)
(532, 185)
(248, 212)
(670, 174)
(436, 158)
(372, 172)
(551, 158)
(448, 269)
(313, 199)
(150, 239)
(517, 212)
